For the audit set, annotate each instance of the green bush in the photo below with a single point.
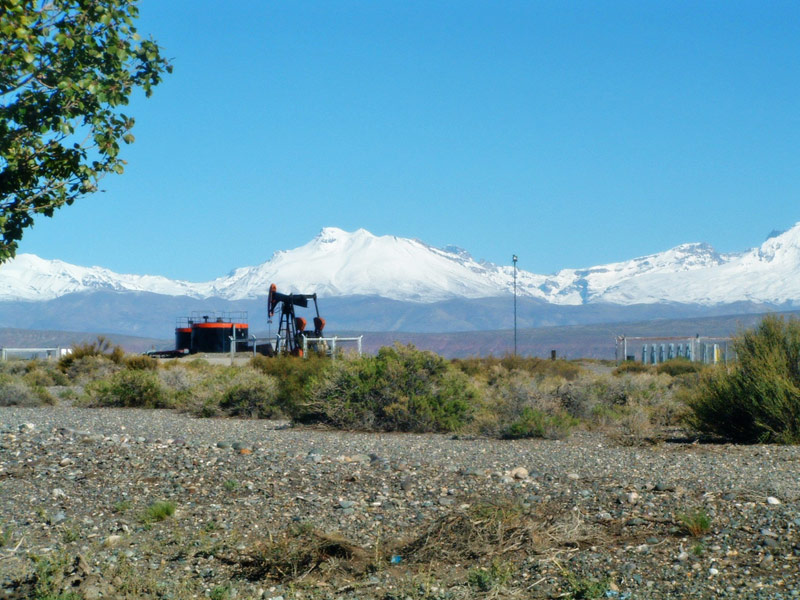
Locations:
(14, 391)
(758, 398)
(251, 394)
(400, 389)
(141, 362)
(680, 366)
(631, 366)
(534, 423)
(294, 377)
(101, 347)
(88, 368)
(129, 388)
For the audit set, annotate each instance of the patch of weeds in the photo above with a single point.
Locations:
(487, 530)
(698, 549)
(231, 485)
(122, 506)
(6, 533)
(221, 592)
(158, 511)
(48, 577)
(695, 523)
(486, 579)
(296, 552)
(70, 534)
(584, 588)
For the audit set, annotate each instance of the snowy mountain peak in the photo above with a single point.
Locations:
(341, 263)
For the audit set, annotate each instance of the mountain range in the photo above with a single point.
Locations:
(386, 283)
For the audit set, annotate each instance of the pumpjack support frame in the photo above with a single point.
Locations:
(292, 328)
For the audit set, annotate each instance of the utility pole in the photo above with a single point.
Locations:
(514, 260)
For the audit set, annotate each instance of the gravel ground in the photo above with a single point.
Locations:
(75, 485)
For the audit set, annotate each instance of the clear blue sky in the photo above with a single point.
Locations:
(569, 133)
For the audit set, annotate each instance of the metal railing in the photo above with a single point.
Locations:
(330, 344)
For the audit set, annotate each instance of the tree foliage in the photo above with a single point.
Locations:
(66, 69)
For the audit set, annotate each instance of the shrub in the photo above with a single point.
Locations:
(140, 362)
(516, 401)
(489, 368)
(100, 347)
(631, 366)
(757, 399)
(533, 423)
(400, 389)
(14, 391)
(128, 388)
(88, 368)
(251, 394)
(295, 378)
(38, 375)
(680, 366)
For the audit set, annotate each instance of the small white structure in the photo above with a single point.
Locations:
(34, 353)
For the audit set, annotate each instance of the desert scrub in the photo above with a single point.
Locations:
(85, 369)
(489, 368)
(756, 400)
(535, 423)
(140, 361)
(15, 391)
(101, 347)
(128, 388)
(251, 394)
(399, 389)
(295, 378)
(518, 404)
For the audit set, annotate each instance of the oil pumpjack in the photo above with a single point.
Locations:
(291, 328)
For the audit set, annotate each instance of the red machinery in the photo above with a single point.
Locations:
(291, 328)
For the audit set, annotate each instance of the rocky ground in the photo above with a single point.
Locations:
(262, 510)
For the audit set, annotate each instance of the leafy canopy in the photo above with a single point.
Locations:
(66, 68)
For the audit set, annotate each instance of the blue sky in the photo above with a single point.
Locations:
(569, 133)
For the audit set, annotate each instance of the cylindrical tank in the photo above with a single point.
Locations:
(183, 338)
(215, 337)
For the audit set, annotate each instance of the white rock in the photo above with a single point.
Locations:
(632, 498)
(112, 541)
(519, 473)
(773, 500)
(712, 571)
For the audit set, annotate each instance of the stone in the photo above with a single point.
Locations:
(772, 500)
(519, 473)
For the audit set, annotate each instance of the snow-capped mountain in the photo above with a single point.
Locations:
(338, 263)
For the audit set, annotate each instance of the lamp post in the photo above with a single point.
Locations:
(514, 260)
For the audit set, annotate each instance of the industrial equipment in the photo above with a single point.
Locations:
(291, 328)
